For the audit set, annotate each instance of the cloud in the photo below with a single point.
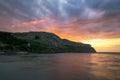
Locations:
(36, 9)
(73, 19)
(77, 30)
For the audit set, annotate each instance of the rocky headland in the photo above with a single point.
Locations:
(40, 42)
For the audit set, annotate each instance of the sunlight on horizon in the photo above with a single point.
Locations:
(104, 45)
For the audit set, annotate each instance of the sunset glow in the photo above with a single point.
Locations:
(95, 22)
(109, 44)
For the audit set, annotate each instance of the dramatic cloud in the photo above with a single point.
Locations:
(73, 19)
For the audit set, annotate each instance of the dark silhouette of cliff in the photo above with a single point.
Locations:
(40, 42)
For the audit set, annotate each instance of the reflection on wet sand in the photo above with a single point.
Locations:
(71, 67)
(105, 66)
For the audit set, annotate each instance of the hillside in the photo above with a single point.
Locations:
(40, 42)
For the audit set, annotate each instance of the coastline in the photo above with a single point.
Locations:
(27, 53)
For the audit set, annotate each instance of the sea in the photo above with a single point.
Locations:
(60, 66)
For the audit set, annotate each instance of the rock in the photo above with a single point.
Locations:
(40, 42)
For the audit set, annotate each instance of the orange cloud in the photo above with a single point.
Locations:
(77, 30)
(39, 22)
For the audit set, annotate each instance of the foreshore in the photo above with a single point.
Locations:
(14, 53)
(27, 53)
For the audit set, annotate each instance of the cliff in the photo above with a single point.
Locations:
(40, 42)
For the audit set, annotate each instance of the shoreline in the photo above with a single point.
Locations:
(27, 53)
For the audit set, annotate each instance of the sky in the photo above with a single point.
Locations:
(95, 22)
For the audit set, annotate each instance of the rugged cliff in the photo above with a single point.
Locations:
(40, 42)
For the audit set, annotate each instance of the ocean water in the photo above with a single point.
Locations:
(62, 66)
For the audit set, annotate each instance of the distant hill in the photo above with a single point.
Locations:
(40, 42)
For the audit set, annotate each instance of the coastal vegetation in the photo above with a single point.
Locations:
(40, 42)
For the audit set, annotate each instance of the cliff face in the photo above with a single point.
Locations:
(41, 42)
